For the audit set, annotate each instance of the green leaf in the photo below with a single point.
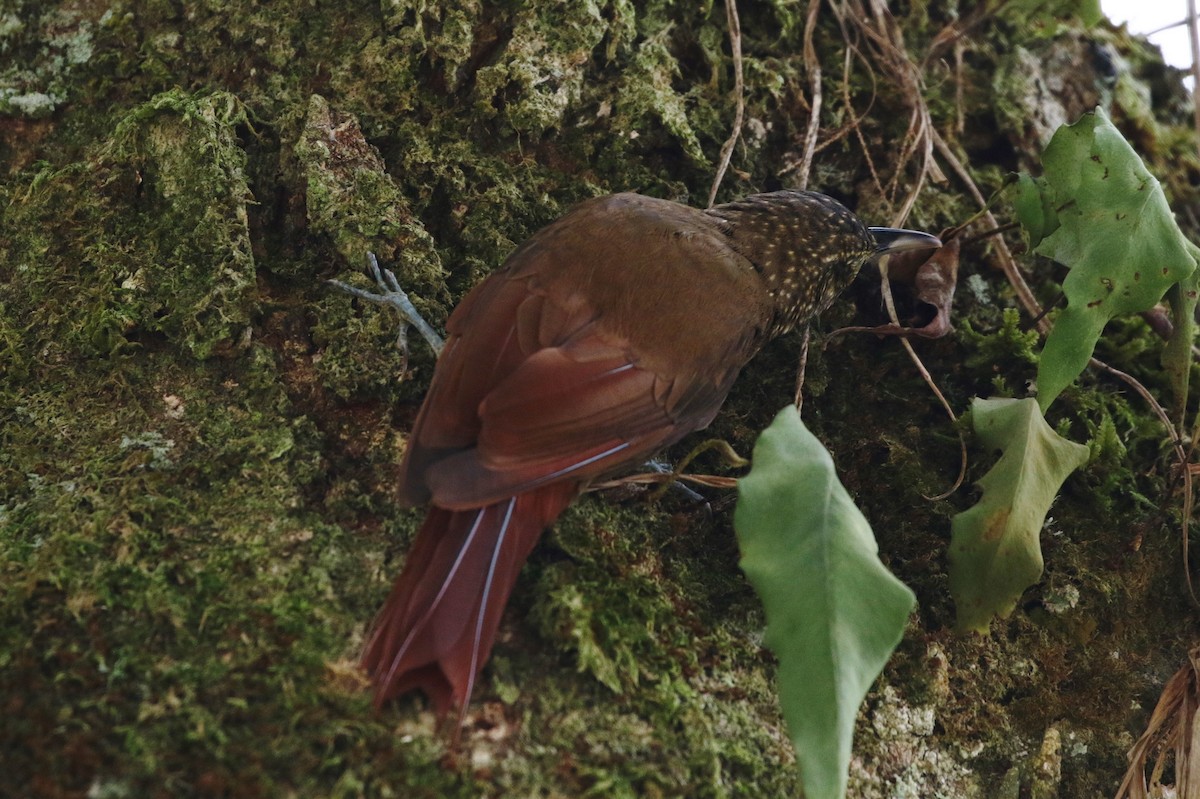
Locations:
(995, 552)
(1089, 12)
(834, 612)
(1177, 355)
(1034, 212)
(1115, 232)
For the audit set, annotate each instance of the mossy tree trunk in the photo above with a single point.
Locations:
(198, 513)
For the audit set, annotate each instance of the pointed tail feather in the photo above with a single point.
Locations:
(437, 627)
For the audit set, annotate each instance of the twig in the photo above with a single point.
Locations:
(996, 231)
(798, 398)
(713, 481)
(960, 115)
(1166, 27)
(883, 34)
(890, 304)
(1008, 264)
(853, 118)
(854, 124)
(739, 90)
(954, 33)
(962, 441)
(812, 65)
(1176, 444)
(1194, 38)
(658, 478)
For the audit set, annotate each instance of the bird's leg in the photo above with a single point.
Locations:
(391, 294)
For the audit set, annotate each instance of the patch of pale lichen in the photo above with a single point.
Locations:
(43, 46)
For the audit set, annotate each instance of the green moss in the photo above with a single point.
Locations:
(351, 198)
(1012, 345)
(183, 154)
(198, 511)
(541, 71)
(160, 246)
(648, 93)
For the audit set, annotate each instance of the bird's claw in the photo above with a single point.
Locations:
(390, 293)
(384, 278)
(660, 467)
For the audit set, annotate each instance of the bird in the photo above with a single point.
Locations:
(608, 335)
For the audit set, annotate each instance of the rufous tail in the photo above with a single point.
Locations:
(437, 627)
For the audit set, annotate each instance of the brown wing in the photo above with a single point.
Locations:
(536, 385)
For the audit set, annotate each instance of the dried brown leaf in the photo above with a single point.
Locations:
(934, 278)
(1173, 731)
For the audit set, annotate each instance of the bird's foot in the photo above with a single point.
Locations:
(660, 467)
(391, 294)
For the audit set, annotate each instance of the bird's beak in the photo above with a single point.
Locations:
(889, 240)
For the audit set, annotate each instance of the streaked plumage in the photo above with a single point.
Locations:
(609, 334)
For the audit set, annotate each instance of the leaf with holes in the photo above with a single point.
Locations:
(1097, 210)
(995, 548)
